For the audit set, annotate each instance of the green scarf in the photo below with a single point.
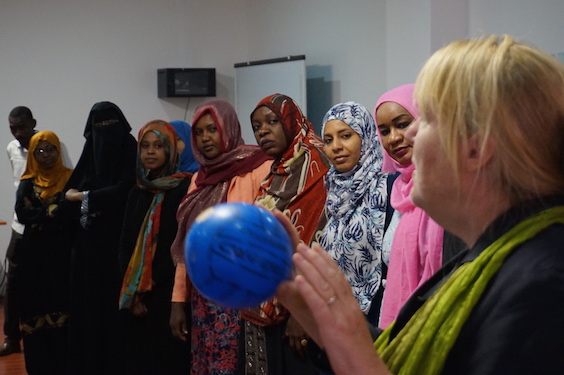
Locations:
(422, 346)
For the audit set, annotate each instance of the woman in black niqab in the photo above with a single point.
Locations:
(95, 199)
(106, 132)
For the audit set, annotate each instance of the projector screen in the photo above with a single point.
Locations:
(255, 80)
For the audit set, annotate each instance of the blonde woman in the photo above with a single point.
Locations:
(489, 159)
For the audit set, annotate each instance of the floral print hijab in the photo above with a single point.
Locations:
(356, 207)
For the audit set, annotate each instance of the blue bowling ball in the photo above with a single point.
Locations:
(237, 254)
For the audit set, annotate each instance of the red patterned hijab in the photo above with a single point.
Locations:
(295, 184)
(214, 176)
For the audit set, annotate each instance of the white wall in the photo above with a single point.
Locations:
(539, 22)
(59, 57)
(344, 44)
(408, 41)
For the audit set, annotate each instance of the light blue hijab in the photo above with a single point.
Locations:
(356, 207)
(187, 161)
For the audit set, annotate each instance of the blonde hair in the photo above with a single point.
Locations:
(506, 91)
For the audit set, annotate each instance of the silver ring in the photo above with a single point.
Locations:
(331, 300)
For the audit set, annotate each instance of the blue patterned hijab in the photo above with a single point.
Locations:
(356, 207)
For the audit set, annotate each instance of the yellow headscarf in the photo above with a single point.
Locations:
(52, 180)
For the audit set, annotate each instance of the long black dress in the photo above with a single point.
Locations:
(44, 283)
(151, 348)
(106, 170)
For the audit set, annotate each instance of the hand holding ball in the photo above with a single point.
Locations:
(237, 254)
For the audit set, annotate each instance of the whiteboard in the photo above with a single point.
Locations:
(255, 80)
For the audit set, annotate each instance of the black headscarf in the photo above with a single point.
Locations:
(107, 133)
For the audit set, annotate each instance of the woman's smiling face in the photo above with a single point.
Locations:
(46, 155)
(393, 120)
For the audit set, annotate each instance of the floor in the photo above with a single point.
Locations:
(12, 364)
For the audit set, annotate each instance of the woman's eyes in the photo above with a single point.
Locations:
(200, 132)
(273, 122)
(342, 136)
(146, 145)
(400, 125)
(403, 125)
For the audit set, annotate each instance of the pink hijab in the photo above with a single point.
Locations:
(417, 246)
